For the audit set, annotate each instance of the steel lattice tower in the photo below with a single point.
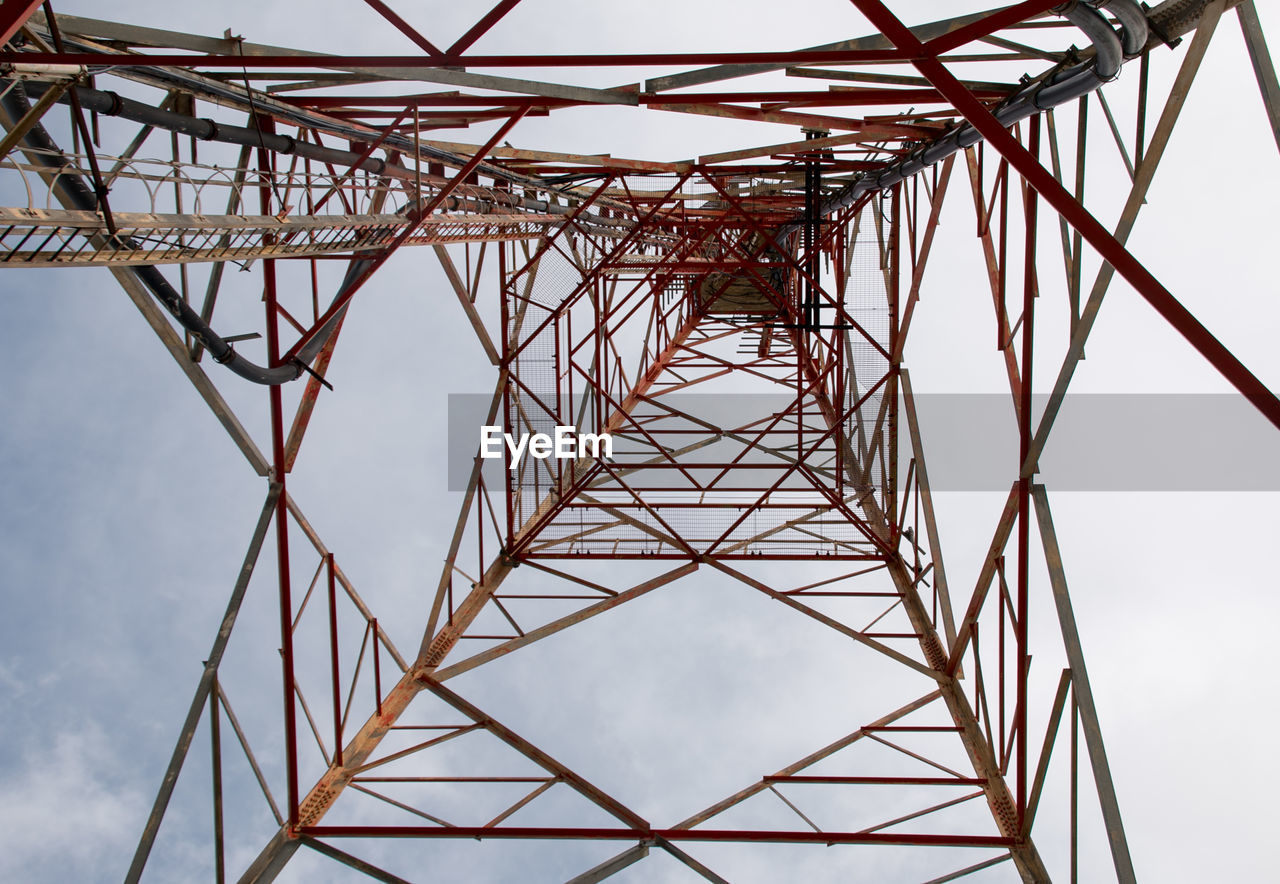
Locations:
(737, 321)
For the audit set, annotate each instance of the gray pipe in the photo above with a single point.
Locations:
(1109, 51)
(1133, 25)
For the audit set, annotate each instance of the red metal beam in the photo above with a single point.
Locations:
(426, 100)
(998, 20)
(13, 15)
(415, 217)
(791, 98)
(816, 98)
(1021, 626)
(405, 28)
(879, 781)
(255, 62)
(480, 28)
(1057, 196)
(617, 834)
(364, 155)
(278, 461)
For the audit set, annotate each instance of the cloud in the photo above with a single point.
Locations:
(69, 785)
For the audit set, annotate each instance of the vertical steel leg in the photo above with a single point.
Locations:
(1084, 693)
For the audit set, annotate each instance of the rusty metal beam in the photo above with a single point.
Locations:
(922, 259)
(353, 862)
(1124, 227)
(595, 795)
(612, 866)
(19, 129)
(473, 315)
(926, 501)
(732, 836)
(404, 27)
(238, 53)
(1083, 692)
(13, 15)
(481, 27)
(565, 622)
(415, 219)
(690, 861)
(208, 679)
(872, 42)
(1260, 58)
(1046, 751)
(272, 860)
(1112, 251)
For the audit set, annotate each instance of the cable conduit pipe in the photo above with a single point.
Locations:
(44, 151)
(1057, 87)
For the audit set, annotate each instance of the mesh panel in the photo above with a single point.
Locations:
(866, 300)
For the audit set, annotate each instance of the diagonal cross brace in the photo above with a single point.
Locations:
(1043, 182)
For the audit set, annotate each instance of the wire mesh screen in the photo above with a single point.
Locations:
(869, 401)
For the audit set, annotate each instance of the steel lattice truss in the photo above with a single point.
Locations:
(737, 321)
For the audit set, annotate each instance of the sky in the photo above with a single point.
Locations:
(128, 511)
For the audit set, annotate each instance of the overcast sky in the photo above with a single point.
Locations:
(128, 511)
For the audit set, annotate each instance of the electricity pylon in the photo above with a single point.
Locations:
(736, 323)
